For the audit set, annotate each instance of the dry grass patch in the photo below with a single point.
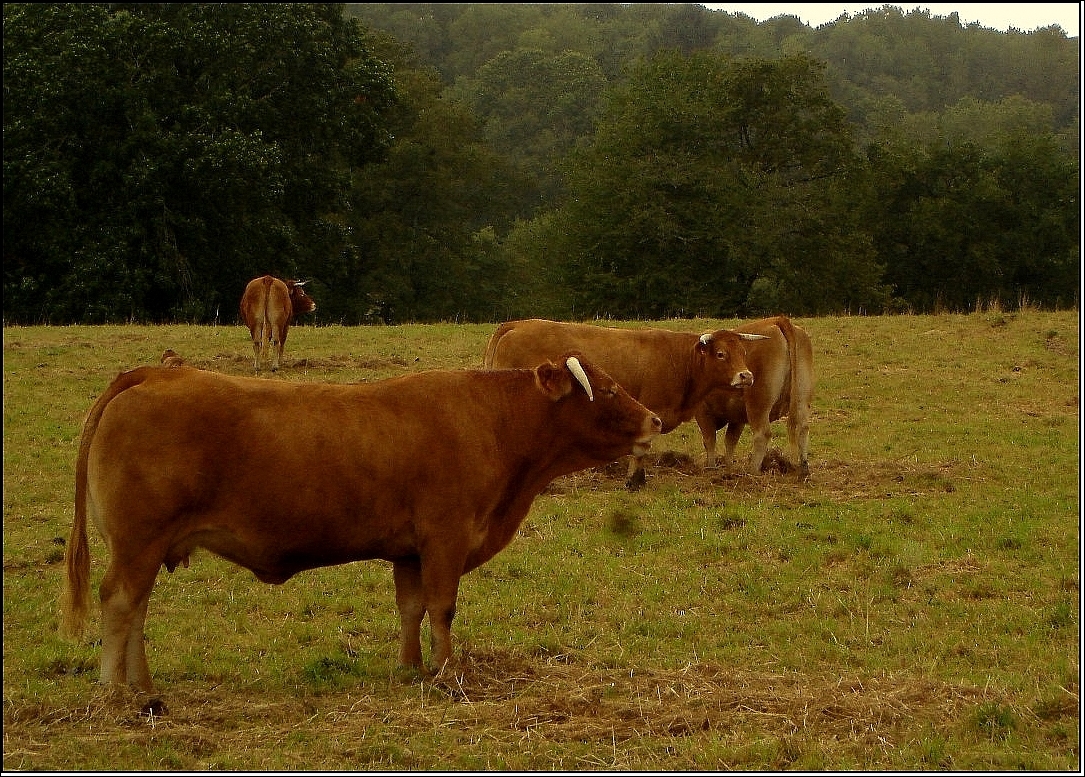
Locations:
(505, 699)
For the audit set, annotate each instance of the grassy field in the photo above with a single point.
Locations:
(915, 605)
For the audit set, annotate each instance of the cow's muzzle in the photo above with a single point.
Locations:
(743, 379)
(654, 427)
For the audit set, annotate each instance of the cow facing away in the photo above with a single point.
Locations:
(432, 471)
(268, 307)
(671, 373)
(783, 370)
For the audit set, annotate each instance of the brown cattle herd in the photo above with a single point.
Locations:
(280, 477)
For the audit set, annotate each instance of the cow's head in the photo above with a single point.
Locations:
(170, 358)
(722, 355)
(607, 422)
(300, 302)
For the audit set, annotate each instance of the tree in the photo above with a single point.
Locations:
(984, 209)
(157, 156)
(425, 219)
(718, 187)
(534, 107)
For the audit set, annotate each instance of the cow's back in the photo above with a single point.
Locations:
(770, 362)
(641, 360)
(279, 309)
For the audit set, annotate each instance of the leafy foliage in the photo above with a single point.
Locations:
(423, 219)
(985, 210)
(480, 161)
(157, 156)
(713, 188)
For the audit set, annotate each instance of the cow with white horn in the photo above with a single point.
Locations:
(432, 471)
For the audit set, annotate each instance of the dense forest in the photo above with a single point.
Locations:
(478, 162)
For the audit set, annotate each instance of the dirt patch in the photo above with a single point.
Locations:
(834, 480)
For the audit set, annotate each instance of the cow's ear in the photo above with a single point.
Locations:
(553, 381)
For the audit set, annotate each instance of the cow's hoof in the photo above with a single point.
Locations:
(411, 673)
(154, 708)
(635, 481)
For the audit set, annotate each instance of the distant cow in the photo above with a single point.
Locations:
(268, 307)
(170, 358)
(432, 471)
(669, 372)
(783, 370)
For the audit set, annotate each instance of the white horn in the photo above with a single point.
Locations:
(580, 375)
(748, 336)
(300, 283)
(706, 338)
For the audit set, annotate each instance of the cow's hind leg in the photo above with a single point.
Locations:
(257, 344)
(280, 344)
(798, 430)
(255, 354)
(730, 442)
(411, 603)
(277, 355)
(125, 593)
(139, 673)
(277, 345)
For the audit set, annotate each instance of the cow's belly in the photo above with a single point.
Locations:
(276, 556)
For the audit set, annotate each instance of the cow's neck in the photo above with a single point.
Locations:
(692, 397)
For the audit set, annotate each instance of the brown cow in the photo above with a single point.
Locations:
(669, 372)
(268, 307)
(783, 369)
(432, 471)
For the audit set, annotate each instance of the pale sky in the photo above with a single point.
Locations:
(998, 16)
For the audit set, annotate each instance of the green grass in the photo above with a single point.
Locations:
(914, 606)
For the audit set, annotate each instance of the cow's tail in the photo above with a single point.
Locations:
(801, 379)
(491, 346)
(265, 315)
(75, 596)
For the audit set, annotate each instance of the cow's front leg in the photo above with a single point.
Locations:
(635, 477)
(442, 568)
(761, 434)
(411, 602)
(708, 440)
